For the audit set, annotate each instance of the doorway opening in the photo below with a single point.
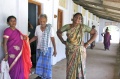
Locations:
(34, 10)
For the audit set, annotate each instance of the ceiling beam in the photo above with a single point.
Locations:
(113, 0)
(103, 12)
(102, 9)
(107, 17)
(97, 4)
(92, 8)
(112, 19)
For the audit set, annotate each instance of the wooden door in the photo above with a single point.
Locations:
(39, 12)
(60, 19)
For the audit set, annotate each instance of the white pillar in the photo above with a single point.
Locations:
(22, 15)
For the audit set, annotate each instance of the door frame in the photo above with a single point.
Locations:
(39, 7)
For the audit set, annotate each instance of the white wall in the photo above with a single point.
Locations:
(18, 8)
(47, 8)
(22, 15)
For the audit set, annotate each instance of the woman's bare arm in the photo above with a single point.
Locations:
(5, 45)
(59, 34)
(5, 48)
(33, 39)
(54, 45)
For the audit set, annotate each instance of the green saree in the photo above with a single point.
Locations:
(75, 51)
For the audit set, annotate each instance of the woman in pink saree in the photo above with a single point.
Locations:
(17, 51)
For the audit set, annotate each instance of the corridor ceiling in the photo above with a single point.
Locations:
(107, 9)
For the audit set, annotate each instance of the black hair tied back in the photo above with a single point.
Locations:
(10, 17)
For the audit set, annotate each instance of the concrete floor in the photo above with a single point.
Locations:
(100, 64)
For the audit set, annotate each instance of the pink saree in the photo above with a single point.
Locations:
(19, 54)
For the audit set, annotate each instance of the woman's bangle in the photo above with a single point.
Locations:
(6, 53)
(88, 43)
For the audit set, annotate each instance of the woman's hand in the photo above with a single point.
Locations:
(86, 45)
(54, 53)
(64, 42)
(24, 37)
(6, 57)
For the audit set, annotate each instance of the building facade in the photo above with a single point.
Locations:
(59, 12)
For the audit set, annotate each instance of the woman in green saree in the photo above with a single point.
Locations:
(75, 46)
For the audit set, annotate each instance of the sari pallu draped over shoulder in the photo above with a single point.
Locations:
(19, 54)
(26, 55)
